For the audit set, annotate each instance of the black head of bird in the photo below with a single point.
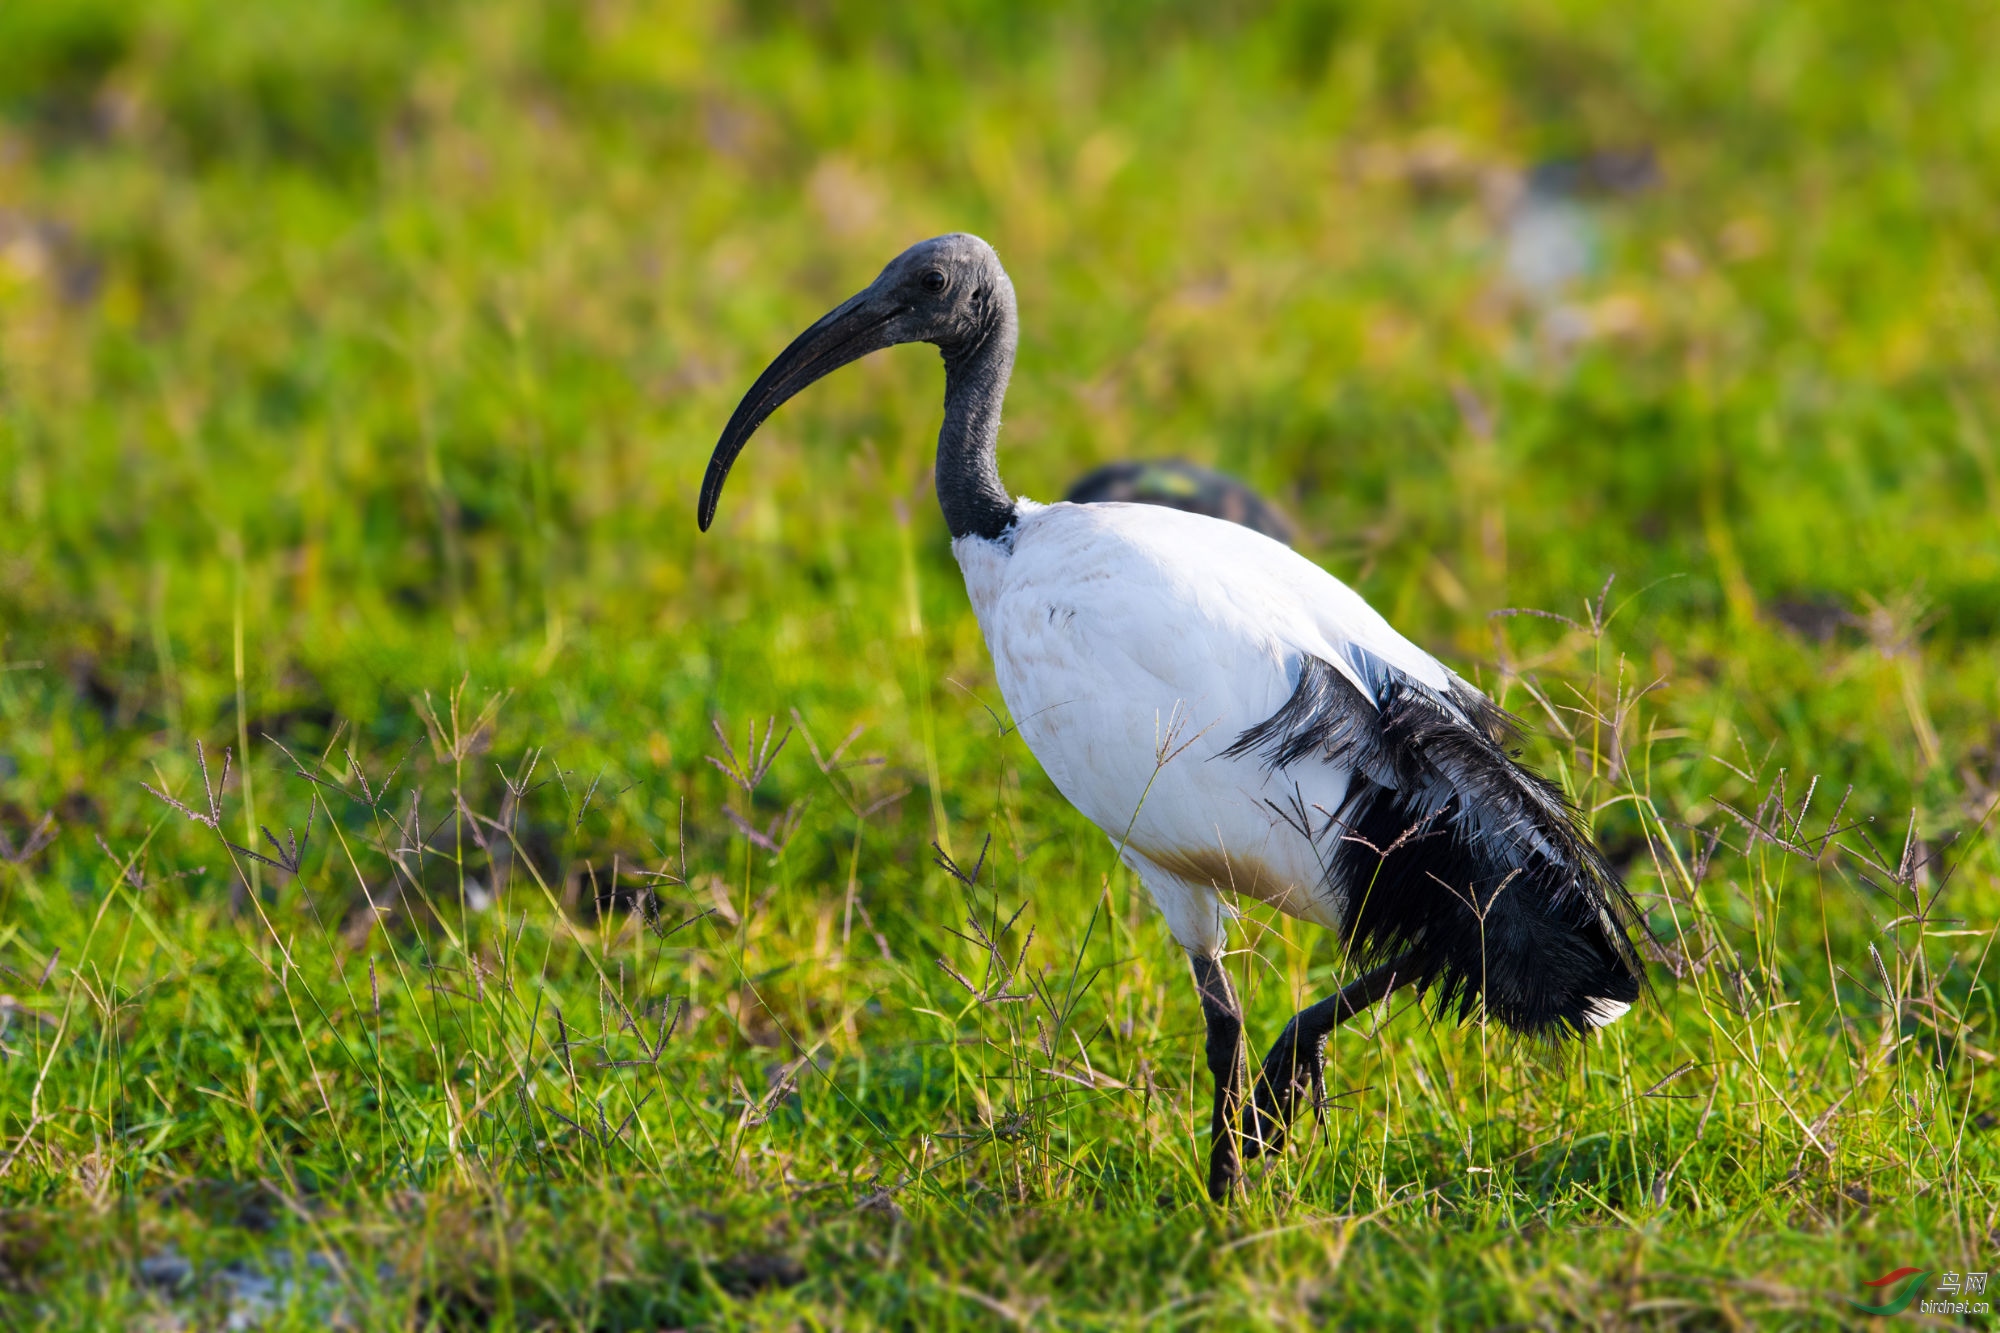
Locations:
(949, 291)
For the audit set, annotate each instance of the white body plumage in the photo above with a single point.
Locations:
(1134, 645)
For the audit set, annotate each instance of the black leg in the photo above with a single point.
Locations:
(1225, 1063)
(1296, 1065)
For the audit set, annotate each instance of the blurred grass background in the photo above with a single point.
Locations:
(350, 352)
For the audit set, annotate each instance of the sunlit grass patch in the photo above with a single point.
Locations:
(466, 1000)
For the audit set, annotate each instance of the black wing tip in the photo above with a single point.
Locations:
(1535, 933)
(1453, 852)
(1563, 986)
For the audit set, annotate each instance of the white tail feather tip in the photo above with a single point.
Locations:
(1601, 1013)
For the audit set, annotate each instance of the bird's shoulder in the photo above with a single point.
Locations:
(1127, 549)
(1151, 572)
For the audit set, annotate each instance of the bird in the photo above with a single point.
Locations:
(1241, 724)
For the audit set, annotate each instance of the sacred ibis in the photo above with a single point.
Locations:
(1327, 766)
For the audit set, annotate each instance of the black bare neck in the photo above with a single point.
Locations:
(969, 489)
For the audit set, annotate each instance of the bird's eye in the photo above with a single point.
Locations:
(933, 281)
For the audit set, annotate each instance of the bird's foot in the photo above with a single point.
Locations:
(1282, 1083)
(1225, 1168)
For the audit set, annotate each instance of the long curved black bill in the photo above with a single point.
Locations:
(850, 331)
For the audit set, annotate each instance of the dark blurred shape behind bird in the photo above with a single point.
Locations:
(1179, 484)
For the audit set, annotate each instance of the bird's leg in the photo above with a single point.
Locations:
(1295, 1067)
(1225, 1063)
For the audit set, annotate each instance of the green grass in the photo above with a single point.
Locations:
(358, 365)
